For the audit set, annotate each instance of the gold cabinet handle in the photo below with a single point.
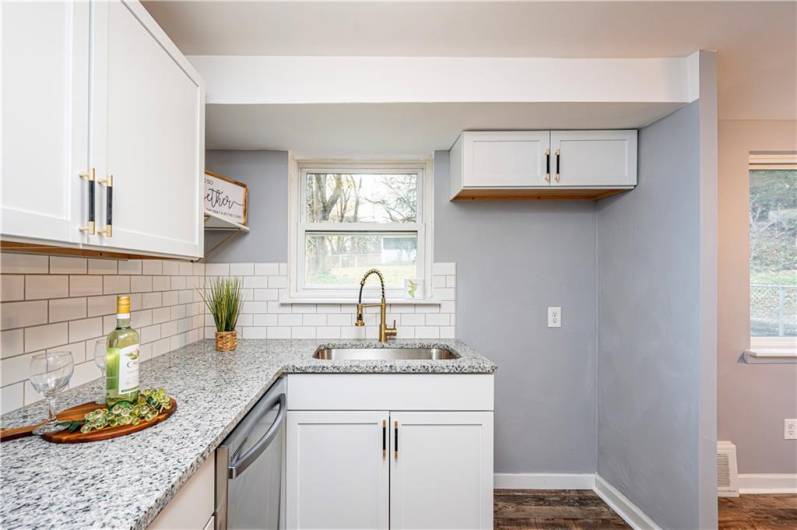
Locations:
(395, 440)
(557, 166)
(384, 439)
(107, 230)
(89, 177)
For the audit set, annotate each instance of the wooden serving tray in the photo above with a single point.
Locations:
(77, 413)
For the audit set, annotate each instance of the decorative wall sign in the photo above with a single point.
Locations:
(226, 197)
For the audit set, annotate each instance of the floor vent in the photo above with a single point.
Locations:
(727, 474)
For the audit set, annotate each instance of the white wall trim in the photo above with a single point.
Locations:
(626, 509)
(545, 481)
(765, 483)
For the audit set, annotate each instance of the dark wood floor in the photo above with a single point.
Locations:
(759, 512)
(571, 509)
(549, 509)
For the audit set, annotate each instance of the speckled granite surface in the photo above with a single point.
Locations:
(125, 482)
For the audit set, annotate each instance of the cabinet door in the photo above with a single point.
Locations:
(45, 72)
(441, 472)
(149, 134)
(594, 158)
(337, 471)
(505, 159)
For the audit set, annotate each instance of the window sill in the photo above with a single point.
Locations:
(770, 355)
(352, 301)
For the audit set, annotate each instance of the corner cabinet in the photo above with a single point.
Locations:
(108, 146)
(543, 164)
(424, 460)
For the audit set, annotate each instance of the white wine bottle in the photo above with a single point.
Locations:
(121, 358)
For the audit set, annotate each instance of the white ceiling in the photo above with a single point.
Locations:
(756, 41)
(402, 129)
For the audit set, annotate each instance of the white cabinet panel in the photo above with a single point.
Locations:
(337, 472)
(192, 507)
(505, 158)
(442, 474)
(148, 134)
(594, 158)
(45, 72)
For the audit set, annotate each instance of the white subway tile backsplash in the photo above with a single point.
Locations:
(217, 269)
(115, 284)
(314, 319)
(101, 305)
(242, 269)
(24, 264)
(67, 265)
(38, 286)
(289, 320)
(12, 397)
(413, 319)
(186, 268)
(171, 268)
(256, 282)
(85, 285)
(152, 266)
(267, 269)
(12, 287)
(67, 309)
(102, 266)
(140, 284)
(278, 333)
(278, 281)
(41, 337)
(11, 343)
(88, 328)
(22, 314)
(133, 266)
(327, 332)
(263, 319)
(437, 319)
(302, 332)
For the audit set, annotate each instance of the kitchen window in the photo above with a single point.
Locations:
(773, 251)
(351, 217)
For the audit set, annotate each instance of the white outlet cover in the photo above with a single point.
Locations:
(554, 317)
(790, 429)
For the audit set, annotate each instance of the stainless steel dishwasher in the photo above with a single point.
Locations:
(249, 467)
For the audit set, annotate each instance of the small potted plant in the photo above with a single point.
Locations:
(223, 299)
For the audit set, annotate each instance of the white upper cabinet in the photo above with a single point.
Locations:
(594, 158)
(45, 72)
(148, 135)
(504, 159)
(98, 89)
(542, 164)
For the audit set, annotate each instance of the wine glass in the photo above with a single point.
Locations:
(99, 360)
(50, 373)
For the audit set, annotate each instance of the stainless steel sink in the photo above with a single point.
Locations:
(384, 354)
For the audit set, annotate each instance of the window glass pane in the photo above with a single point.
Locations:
(773, 253)
(361, 198)
(339, 260)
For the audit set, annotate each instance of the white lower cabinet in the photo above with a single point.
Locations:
(442, 470)
(337, 473)
(391, 468)
(192, 507)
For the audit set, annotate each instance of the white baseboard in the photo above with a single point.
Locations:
(544, 481)
(626, 509)
(763, 483)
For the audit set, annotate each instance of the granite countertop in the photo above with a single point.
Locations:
(125, 482)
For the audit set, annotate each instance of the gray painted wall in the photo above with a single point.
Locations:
(266, 175)
(515, 258)
(649, 326)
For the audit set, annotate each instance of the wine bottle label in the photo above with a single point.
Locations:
(128, 369)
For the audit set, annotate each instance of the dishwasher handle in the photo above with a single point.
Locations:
(239, 462)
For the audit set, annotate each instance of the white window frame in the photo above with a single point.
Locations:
(298, 292)
(771, 346)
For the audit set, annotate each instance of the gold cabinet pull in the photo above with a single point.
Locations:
(107, 230)
(89, 177)
(557, 166)
(395, 440)
(384, 439)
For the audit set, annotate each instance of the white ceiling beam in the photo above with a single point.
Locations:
(314, 80)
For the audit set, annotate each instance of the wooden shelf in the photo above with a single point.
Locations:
(216, 223)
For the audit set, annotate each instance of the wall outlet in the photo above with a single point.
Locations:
(790, 429)
(554, 317)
